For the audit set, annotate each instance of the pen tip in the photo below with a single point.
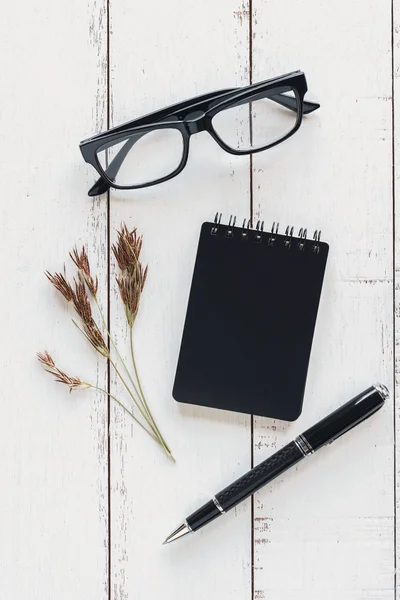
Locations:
(182, 530)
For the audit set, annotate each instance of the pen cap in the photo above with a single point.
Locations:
(346, 417)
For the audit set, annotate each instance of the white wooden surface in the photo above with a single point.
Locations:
(53, 447)
(83, 517)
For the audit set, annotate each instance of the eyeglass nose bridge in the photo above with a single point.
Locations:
(196, 122)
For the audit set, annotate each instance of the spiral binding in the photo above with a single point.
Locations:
(272, 238)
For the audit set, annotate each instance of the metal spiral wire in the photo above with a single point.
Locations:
(316, 238)
(231, 225)
(272, 238)
(217, 221)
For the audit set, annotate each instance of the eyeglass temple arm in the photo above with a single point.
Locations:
(283, 100)
(101, 186)
(291, 103)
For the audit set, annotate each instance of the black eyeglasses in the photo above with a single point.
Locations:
(154, 148)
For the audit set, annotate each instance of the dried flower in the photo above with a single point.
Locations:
(61, 284)
(82, 262)
(80, 293)
(74, 383)
(81, 303)
(130, 288)
(131, 282)
(127, 249)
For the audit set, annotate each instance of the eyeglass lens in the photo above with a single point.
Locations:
(256, 123)
(145, 157)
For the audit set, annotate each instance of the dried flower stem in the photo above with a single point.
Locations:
(118, 372)
(143, 408)
(144, 411)
(150, 420)
(114, 345)
(94, 387)
(138, 406)
(141, 390)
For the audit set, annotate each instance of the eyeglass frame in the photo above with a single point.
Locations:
(188, 123)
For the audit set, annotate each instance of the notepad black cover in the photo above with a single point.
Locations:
(250, 323)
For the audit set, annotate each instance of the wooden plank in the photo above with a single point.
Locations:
(396, 188)
(331, 521)
(54, 522)
(164, 55)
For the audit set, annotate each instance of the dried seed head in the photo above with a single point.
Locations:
(81, 302)
(127, 249)
(131, 282)
(130, 295)
(143, 277)
(95, 337)
(82, 262)
(45, 359)
(74, 383)
(61, 284)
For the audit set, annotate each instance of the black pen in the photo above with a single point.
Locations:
(324, 432)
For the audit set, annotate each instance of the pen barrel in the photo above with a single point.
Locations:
(347, 416)
(203, 515)
(259, 476)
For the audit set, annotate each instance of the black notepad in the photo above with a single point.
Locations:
(250, 320)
